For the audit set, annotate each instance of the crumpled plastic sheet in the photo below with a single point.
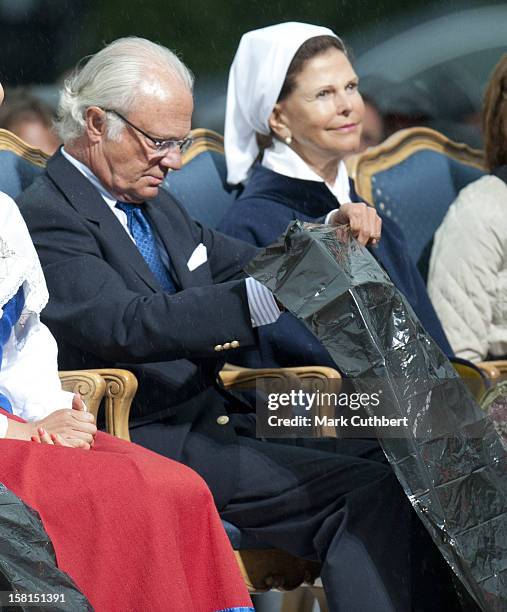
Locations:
(27, 559)
(451, 462)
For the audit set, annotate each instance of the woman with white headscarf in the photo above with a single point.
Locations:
(134, 530)
(293, 101)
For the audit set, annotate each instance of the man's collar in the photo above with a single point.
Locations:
(86, 172)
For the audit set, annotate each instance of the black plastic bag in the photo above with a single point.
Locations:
(29, 577)
(450, 461)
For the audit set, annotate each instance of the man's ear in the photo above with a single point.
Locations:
(95, 123)
(278, 124)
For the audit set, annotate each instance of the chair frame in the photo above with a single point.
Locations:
(90, 385)
(203, 140)
(495, 370)
(11, 142)
(398, 147)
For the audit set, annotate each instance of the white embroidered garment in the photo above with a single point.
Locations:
(255, 80)
(29, 371)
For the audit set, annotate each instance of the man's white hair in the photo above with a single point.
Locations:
(115, 78)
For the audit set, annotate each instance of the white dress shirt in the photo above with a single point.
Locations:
(262, 304)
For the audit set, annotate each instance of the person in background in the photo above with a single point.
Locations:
(468, 268)
(374, 129)
(287, 132)
(30, 119)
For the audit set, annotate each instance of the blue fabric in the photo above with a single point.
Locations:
(239, 539)
(202, 189)
(417, 192)
(144, 238)
(11, 313)
(241, 609)
(16, 173)
(261, 214)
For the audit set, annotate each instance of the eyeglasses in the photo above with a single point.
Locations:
(160, 146)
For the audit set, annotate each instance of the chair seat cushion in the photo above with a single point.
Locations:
(417, 192)
(16, 173)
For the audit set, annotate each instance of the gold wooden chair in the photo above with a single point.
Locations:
(90, 385)
(496, 370)
(413, 177)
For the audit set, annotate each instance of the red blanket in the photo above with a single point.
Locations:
(134, 530)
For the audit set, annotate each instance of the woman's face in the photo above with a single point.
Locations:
(1, 94)
(324, 112)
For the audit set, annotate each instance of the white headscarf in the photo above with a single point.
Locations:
(255, 81)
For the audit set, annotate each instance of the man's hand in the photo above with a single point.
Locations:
(364, 222)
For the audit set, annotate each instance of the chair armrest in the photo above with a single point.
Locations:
(473, 376)
(281, 380)
(245, 378)
(120, 388)
(267, 569)
(495, 370)
(90, 385)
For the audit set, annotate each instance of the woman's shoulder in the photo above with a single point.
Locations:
(477, 216)
(265, 185)
(259, 212)
(481, 203)
(488, 188)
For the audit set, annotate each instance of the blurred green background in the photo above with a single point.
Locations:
(418, 61)
(43, 38)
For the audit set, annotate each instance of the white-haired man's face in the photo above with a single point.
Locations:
(131, 168)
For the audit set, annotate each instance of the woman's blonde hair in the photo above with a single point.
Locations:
(494, 117)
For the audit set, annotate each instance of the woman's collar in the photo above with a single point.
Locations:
(281, 159)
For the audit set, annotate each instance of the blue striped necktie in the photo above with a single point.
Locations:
(144, 238)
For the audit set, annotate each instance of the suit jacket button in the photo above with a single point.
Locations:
(234, 344)
(219, 348)
(227, 345)
(223, 419)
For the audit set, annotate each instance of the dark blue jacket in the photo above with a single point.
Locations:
(269, 202)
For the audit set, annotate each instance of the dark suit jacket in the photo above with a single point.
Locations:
(107, 309)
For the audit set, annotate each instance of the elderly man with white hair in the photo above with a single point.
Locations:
(135, 283)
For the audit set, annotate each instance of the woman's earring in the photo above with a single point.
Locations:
(288, 140)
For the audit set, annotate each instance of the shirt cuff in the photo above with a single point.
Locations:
(3, 425)
(261, 302)
(328, 216)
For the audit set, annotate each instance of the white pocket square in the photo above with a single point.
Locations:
(198, 257)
